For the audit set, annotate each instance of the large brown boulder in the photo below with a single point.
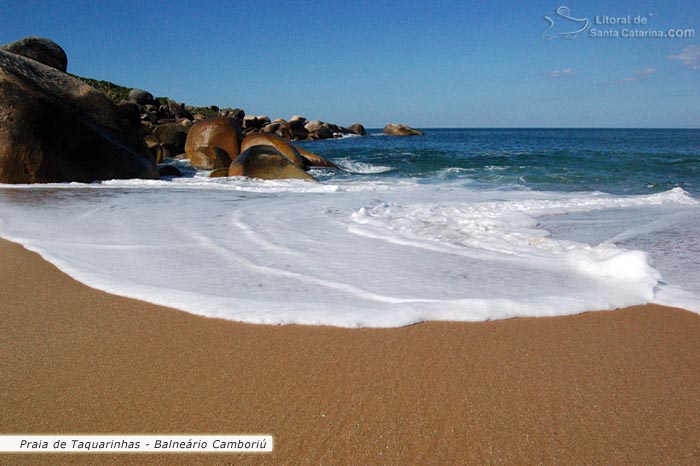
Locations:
(401, 130)
(267, 163)
(39, 49)
(213, 143)
(55, 128)
(282, 146)
(298, 156)
(358, 129)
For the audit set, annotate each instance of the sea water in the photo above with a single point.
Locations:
(461, 225)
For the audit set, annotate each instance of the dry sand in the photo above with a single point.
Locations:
(618, 387)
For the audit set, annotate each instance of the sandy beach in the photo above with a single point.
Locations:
(619, 387)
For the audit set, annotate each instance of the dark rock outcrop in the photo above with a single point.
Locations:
(401, 130)
(280, 129)
(172, 136)
(297, 129)
(267, 163)
(213, 143)
(235, 113)
(318, 130)
(335, 129)
(132, 111)
(253, 123)
(55, 128)
(175, 110)
(39, 49)
(141, 97)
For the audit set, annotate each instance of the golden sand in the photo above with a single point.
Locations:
(619, 387)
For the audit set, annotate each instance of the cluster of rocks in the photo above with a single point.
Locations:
(218, 144)
(165, 125)
(153, 112)
(56, 128)
(297, 128)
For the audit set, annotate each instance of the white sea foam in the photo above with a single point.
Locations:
(345, 135)
(360, 253)
(362, 168)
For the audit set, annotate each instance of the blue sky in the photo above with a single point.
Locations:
(427, 64)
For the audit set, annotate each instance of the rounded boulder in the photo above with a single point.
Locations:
(40, 49)
(266, 163)
(358, 129)
(213, 143)
(401, 130)
(141, 97)
(272, 140)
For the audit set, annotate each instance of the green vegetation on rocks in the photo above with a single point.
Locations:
(115, 92)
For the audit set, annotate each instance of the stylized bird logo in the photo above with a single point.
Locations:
(563, 12)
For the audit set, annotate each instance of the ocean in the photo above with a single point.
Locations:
(457, 225)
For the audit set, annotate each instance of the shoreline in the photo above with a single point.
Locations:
(600, 387)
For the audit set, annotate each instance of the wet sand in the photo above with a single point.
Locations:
(620, 387)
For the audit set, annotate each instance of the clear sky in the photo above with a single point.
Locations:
(427, 64)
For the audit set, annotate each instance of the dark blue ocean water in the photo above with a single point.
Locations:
(460, 224)
(618, 161)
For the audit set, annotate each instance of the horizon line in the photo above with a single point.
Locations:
(550, 127)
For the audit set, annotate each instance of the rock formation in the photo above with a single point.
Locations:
(267, 163)
(213, 143)
(55, 128)
(39, 49)
(401, 130)
(358, 129)
(282, 146)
